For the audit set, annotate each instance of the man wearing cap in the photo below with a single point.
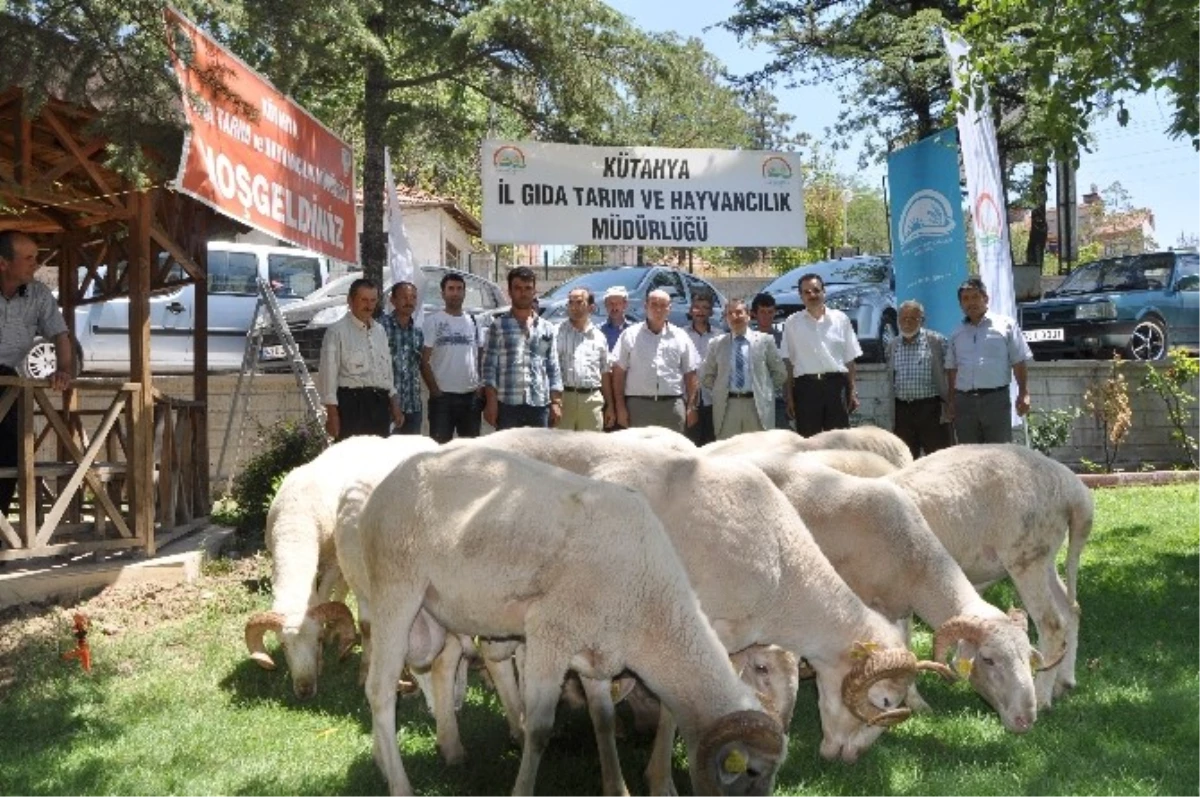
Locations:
(585, 364)
(616, 301)
(984, 349)
(654, 374)
(742, 369)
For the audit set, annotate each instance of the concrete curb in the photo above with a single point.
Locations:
(1094, 480)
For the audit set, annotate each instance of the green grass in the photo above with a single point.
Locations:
(177, 708)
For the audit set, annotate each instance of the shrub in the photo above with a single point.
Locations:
(1172, 383)
(1107, 401)
(1050, 429)
(280, 448)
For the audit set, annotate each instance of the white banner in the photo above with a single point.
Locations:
(400, 256)
(535, 193)
(989, 209)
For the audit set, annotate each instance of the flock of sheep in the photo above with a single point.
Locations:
(641, 565)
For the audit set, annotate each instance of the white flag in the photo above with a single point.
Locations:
(400, 256)
(989, 210)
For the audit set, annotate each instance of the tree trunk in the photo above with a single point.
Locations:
(373, 243)
(1039, 230)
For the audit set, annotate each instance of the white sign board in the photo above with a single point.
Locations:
(535, 193)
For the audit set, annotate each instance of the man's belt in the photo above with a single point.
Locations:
(657, 398)
(982, 391)
(925, 400)
(820, 376)
(744, 394)
(571, 389)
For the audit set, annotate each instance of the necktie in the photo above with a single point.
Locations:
(739, 363)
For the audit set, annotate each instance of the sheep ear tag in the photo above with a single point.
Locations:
(963, 666)
(734, 763)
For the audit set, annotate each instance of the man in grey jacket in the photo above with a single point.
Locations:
(917, 377)
(743, 369)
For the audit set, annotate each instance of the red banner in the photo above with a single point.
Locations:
(257, 156)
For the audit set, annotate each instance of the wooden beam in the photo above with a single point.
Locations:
(89, 166)
(66, 164)
(62, 200)
(22, 131)
(142, 427)
(163, 239)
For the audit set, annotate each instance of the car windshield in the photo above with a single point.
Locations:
(1136, 273)
(600, 281)
(833, 272)
(293, 276)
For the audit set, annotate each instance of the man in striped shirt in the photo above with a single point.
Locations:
(917, 366)
(584, 361)
(521, 381)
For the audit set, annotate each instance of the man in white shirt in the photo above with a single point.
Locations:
(819, 347)
(356, 370)
(450, 366)
(585, 365)
(654, 374)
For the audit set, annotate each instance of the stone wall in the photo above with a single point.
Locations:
(1055, 384)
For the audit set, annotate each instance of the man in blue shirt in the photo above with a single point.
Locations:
(522, 384)
(405, 339)
(616, 301)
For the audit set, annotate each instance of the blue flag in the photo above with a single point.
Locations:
(929, 244)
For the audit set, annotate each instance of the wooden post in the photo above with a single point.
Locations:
(197, 244)
(141, 437)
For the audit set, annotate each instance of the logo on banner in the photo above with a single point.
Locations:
(508, 159)
(987, 220)
(927, 215)
(776, 169)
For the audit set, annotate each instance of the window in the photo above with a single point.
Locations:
(668, 281)
(232, 273)
(452, 255)
(293, 276)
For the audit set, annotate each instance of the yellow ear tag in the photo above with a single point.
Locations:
(863, 650)
(614, 688)
(963, 667)
(735, 763)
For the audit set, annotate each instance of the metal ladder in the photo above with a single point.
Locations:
(272, 321)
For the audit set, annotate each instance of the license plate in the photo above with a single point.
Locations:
(271, 353)
(1035, 335)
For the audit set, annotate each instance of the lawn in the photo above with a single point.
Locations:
(173, 706)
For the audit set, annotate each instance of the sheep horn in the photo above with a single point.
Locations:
(338, 615)
(256, 627)
(1050, 665)
(758, 730)
(938, 667)
(875, 666)
(961, 627)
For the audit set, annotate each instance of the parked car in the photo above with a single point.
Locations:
(1137, 306)
(863, 287)
(102, 328)
(307, 320)
(637, 281)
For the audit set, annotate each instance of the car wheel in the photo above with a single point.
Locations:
(41, 361)
(1148, 341)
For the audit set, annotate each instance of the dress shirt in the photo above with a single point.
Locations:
(583, 357)
(613, 333)
(31, 311)
(521, 362)
(819, 346)
(405, 343)
(354, 354)
(655, 364)
(984, 353)
(912, 368)
(701, 340)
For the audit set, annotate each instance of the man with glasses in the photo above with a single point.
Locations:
(819, 347)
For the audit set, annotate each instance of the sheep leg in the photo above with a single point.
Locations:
(392, 622)
(604, 720)
(443, 675)
(542, 686)
(331, 583)
(658, 769)
(504, 679)
(1045, 600)
(364, 635)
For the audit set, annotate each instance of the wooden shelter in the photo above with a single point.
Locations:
(129, 462)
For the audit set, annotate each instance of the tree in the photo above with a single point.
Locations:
(1080, 54)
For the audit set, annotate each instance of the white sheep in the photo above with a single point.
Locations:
(760, 576)
(781, 441)
(1004, 510)
(877, 539)
(492, 543)
(855, 463)
(304, 567)
(658, 434)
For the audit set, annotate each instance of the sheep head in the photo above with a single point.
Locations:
(301, 642)
(739, 754)
(995, 655)
(860, 696)
(873, 667)
(775, 675)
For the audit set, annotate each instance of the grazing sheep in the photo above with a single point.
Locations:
(304, 567)
(495, 544)
(867, 464)
(658, 434)
(877, 539)
(781, 441)
(1004, 510)
(760, 576)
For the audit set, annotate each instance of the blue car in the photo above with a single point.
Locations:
(1138, 306)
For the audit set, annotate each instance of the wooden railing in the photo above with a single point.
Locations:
(86, 482)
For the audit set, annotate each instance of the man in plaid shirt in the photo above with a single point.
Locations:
(917, 377)
(405, 339)
(522, 384)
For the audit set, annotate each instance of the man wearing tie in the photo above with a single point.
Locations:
(742, 369)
